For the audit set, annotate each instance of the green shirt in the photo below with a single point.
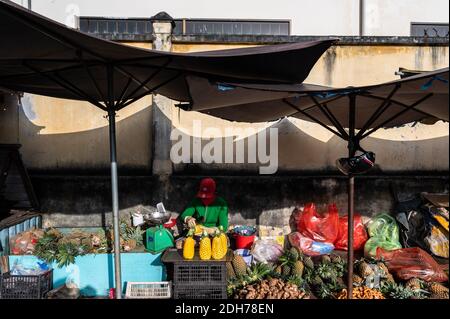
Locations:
(214, 215)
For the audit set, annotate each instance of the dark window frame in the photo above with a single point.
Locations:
(429, 29)
(202, 26)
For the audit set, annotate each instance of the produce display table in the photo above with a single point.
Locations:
(94, 273)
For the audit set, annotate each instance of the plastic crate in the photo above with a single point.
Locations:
(26, 287)
(200, 273)
(206, 292)
(148, 290)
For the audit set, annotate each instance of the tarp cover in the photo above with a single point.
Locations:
(41, 56)
(268, 102)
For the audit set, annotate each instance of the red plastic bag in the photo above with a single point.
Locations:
(319, 227)
(359, 233)
(308, 246)
(413, 262)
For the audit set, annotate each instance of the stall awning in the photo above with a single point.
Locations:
(40, 56)
(421, 97)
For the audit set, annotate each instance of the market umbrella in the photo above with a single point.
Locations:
(40, 56)
(419, 96)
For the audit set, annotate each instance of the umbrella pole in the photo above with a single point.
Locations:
(115, 202)
(114, 184)
(351, 193)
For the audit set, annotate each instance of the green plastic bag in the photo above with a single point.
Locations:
(384, 232)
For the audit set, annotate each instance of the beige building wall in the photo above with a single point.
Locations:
(63, 134)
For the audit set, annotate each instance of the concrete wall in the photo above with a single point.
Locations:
(309, 17)
(85, 201)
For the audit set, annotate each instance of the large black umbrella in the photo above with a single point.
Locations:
(421, 96)
(40, 56)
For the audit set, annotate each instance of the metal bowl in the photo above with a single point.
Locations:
(157, 217)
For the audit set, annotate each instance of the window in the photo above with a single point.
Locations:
(234, 27)
(136, 26)
(420, 29)
(93, 25)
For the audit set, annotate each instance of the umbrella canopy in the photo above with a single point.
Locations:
(43, 57)
(424, 96)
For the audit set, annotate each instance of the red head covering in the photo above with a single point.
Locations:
(207, 191)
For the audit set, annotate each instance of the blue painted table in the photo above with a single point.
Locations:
(94, 273)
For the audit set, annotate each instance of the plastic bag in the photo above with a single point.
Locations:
(437, 240)
(266, 251)
(308, 246)
(28, 267)
(359, 233)
(413, 229)
(384, 226)
(24, 243)
(384, 233)
(371, 245)
(414, 262)
(319, 227)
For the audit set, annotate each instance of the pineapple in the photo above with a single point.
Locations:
(297, 270)
(278, 269)
(205, 247)
(316, 281)
(295, 280)
(336, 259)
(239, 265)
(396, 291)
(198, 230)
(257, 272)
(442, 295)
(217, 248)
(382, 266)
(295, 253)
(223, 240)
(288, 258)
(364, 269)
(413, 284)
(326, 259)
(189, 246)
(307, 261)
(326, 272)
(390, 278)
(437, 288)
(230, 271)
(357, 280)
(286, 270)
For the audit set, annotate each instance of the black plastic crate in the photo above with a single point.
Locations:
(26, 287)
(200, 273)
(205, 292)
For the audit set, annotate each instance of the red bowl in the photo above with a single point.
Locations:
(172, 222)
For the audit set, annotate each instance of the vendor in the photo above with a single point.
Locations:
(207, 209)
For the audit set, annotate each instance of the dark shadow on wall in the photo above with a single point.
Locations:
(71, 192)
(87, 152)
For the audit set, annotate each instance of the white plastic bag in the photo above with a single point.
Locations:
(266, 250)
